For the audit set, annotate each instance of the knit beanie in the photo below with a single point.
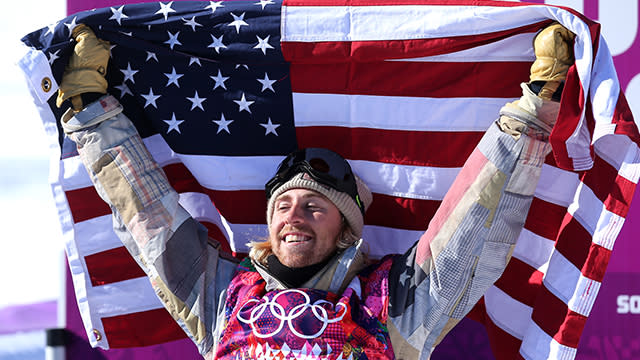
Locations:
(345, 203)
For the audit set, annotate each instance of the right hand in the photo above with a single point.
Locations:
(87, 67)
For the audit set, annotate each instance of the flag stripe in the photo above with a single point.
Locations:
(444, 80)
(557, 320)
(445, 149)
(519, 272)
(111, 266)
(142, 328)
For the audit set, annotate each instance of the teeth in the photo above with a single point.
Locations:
(295, 238)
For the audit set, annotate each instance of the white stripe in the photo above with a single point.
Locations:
(534, 250)
(414, 182)
(561, 277)
(506, 312)
(381, 241)
(630, 167)
(585, 296)
(607, 229)
(401, 22)
(539, 345)
(586, 208)
(396, 112)
(123, 297)
(514, 48)
(557, 186)
(605, 90)
(96, 235)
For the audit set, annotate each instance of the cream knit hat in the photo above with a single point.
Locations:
(345, 203)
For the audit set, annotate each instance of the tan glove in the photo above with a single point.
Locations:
(86, 69)
(553, 47)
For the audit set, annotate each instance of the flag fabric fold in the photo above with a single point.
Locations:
(220, 91)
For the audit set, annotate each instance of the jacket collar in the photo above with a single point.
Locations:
(334, 277)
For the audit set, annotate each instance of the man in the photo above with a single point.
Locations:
(309, 289)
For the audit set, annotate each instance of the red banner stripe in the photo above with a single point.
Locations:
(444, 149)
(554, 318)
(549, 225)
(443, 80)
(574, 242)
(529, 281)
(111, 266)
(141, 329)
(596, 263)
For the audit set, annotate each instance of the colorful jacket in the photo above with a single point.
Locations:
(401, 306)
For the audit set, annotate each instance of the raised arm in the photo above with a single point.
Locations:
(472, 236)
(184, 268)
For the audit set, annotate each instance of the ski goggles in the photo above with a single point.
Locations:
(324, 166)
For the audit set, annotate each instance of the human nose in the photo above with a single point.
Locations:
(294, 215)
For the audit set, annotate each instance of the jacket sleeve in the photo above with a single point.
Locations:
(468, 242)
(184, 268)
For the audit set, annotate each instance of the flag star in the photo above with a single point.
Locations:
(128, 73)
(264, 3)
(150, 98)
(223, 124)
(151, 55)
(242, 65)
(118, 15)
(217, 43)
(219, 79)
(196, 101)
(270, 128)
(267, 83)
(72, 25)
(173, 77)
(191, 23)
(194, 59)
(124, 90)
(238, 21)
(53, 56)
(111, 48)
(130, 33)
(213, 5)
(174, 124)
(165, 9)
(52, 28)
(173, 39)
(263, 44)
(243, 104)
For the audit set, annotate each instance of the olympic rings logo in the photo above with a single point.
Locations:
(279, 312)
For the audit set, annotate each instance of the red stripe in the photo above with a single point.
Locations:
(548, 225)
(442, 80)
(527, 278)
(85, 204)
(111, 266)
(415, 148)
(141, 329)
(574, 242)
(623, 119)
(555, 319)
(596, 263)
(613, 190)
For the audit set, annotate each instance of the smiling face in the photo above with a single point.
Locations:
(304, 228)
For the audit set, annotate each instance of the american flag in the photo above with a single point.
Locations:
(403, 89)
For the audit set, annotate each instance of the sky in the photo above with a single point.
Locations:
(31, 248)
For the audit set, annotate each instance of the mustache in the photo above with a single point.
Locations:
(299, 229)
